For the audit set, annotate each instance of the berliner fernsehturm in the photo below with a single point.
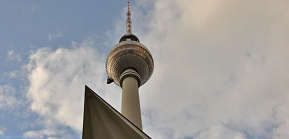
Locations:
(130, 65)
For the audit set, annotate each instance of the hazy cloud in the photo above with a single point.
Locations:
(14, 56)
(13, 74)
(10, 52)
(2, 131)
(53, 36)
(40, 134)
(47, 134)
(6, 99)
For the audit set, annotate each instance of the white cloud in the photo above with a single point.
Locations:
(57, 80)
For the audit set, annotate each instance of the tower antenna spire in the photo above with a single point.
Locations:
(128, 21)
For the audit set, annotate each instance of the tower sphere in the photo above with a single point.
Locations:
(129, 53)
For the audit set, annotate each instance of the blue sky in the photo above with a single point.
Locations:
(28, 25)
(221, 67)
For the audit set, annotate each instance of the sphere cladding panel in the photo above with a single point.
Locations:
(130, 61)
(129, 54)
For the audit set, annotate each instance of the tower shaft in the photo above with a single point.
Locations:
(130, 106)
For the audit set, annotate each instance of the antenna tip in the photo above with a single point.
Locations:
(128, 22)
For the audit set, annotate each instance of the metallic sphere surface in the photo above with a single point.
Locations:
(129, 54)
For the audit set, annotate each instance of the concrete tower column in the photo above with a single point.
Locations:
(130, 106)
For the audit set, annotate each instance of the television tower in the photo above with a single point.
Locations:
(129, 65)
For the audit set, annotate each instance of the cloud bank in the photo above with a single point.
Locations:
(221, 72)
(221, 69)
(57, 79)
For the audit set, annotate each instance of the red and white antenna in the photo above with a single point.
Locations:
(128, 21)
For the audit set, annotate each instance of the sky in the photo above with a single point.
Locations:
(221, 66)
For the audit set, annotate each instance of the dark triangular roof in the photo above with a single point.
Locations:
(102, 121)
